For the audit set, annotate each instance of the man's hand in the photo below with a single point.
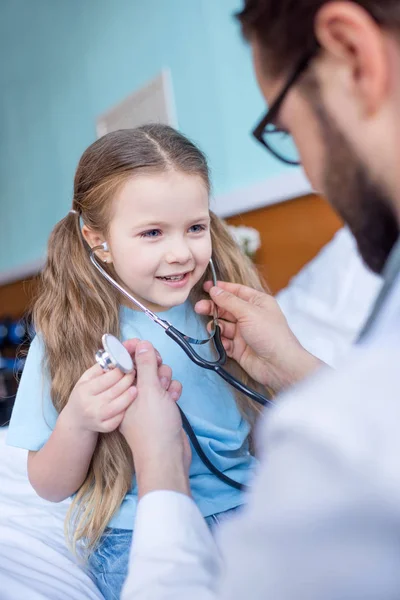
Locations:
(255, 334)
(152, 427)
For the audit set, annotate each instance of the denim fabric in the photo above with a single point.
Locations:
(108, 565)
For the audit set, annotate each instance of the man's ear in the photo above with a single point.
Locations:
(349, 35)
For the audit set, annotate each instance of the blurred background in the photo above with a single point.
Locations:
(72, 70)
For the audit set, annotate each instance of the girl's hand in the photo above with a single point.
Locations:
(99, 399)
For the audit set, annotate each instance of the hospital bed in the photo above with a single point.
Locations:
(34, 561)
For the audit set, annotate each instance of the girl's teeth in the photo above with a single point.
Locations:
(178, 278)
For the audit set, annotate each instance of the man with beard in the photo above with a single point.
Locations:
(323, 518)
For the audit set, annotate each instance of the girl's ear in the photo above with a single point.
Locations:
(95, 238)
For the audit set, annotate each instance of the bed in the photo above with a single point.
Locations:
(34, 561)
(325, 303)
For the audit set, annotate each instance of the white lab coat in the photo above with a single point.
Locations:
(323, 519)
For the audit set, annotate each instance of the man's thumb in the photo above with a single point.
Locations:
(229, 302)
(146, 364)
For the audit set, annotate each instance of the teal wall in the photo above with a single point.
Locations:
(64, 62)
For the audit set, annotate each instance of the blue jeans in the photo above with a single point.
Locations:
(108, 565)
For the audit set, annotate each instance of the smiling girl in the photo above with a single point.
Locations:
(146, 193)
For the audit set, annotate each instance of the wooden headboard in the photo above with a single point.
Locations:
(292, 233)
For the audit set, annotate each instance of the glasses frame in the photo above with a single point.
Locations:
(272, 113)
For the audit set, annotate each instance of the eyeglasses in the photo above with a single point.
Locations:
(278, 141)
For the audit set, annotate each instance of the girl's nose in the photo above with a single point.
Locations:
(178, 252)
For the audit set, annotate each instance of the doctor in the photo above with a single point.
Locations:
(323, 519)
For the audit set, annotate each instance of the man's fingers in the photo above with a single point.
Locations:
(165, 376)
(131, 346)
(175, 390)
(241, 291)
(230, 303)
(146, 365)
(206, 307)
(228, 330)
(231, 300)
(228, 345)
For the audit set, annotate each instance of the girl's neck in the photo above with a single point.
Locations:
(153, 307)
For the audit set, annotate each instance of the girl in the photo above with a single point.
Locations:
(146, 193)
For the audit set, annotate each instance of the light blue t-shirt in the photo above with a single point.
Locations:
(207, 401)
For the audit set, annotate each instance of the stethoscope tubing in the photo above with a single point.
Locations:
(217, 365)
(185, 343)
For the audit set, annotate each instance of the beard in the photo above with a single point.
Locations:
(362, 202)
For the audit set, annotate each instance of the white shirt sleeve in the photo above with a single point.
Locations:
(323, 517)
(173, 552)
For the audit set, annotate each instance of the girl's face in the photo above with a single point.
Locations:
(159, 238)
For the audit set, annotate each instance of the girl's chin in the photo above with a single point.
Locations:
(160, 303)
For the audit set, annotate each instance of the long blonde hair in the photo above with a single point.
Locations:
(75, 305)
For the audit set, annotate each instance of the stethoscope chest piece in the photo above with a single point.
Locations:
(114, 355)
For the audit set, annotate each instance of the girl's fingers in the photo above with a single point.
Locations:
(96, 380)
(118, 405)
(109, 378)
(91, 373)
(104, 381)
(111, 424)
(115, 390)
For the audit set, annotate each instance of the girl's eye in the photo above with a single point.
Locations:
(152, 233)
(197, 228)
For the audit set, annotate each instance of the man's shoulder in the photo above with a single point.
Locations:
(354, 410)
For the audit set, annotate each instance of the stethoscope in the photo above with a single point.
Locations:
(114, 354)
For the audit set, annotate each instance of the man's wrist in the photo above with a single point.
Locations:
(302, 364)
(306, 365)
(161, 473)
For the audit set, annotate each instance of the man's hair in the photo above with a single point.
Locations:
(285, 28)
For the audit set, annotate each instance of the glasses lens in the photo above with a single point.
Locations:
(281, 144)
